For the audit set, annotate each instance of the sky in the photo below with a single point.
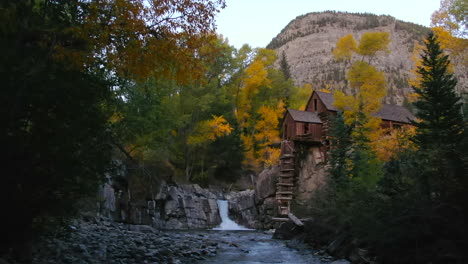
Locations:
(256, 22)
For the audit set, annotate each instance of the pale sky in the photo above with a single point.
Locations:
(256, 22)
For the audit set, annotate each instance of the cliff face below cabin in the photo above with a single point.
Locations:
(308, 41)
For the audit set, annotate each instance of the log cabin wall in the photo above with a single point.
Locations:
(289, 127)
(315, 105)
(313, 129)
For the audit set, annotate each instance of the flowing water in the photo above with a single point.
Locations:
(226, 222)
(238, 244)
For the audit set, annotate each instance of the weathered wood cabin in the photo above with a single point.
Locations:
(310, 127)
(313, 123)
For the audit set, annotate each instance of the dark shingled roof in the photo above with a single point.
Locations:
(395, 113)
(327, 99)
(387, 111)
(303, 116)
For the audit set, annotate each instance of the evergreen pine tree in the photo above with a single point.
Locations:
(442, 177)
(440, 129)
(340, 144)
(284, 66)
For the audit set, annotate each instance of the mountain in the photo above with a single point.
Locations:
(308, 40)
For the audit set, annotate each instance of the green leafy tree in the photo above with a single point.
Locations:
(55, 135)
(62, 69)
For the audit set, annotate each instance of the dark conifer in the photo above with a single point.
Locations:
(440, 129)
(284, 66)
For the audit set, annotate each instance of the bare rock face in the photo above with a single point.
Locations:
(174, 207)
(243, 209)
(308, 41)
(265, 191)
(186, 207)
(311, 180)
(265, 184)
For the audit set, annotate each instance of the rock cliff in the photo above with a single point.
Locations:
(174, 207)
(311, 180)
(308, 41)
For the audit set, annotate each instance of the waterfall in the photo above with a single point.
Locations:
(226, 222)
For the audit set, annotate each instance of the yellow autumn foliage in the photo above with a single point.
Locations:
(392, 141)
(255, 77)
(138, 39)
(325, 90)
(368, 86)
(456, 47)
(371, 42)
(345, 47)
(299, 98)
(209, 130)
(257, 146)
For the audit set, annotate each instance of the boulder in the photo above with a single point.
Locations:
(242, 208)
(265, 184)
(141, 228)
(287, 230)
(187, 206)
(341, 246)
(340, 261)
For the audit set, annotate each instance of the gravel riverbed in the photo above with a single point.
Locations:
(110, 242)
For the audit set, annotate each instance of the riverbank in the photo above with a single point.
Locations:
(102, 241)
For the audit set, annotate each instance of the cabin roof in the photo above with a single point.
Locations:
(395, 113)
(389, 112)
(304, 116)
(327, 99)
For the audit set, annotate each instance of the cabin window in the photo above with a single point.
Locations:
(285, 131)
(306, 128)
(315, 104)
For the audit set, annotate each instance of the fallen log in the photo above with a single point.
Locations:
(295, 220)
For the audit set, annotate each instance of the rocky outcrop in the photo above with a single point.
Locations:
(311, 179)
(173, 207)
(265, 184)
(255, 208)
(186, 207)
(242, 208)
(265, 190)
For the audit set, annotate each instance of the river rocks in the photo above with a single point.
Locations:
(341, 261)
(318, 235)
(119, 243)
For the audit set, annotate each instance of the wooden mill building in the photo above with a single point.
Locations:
(310, 127)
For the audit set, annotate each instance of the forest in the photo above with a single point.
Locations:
(92, 87)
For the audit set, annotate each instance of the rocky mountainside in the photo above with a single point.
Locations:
(307, 43)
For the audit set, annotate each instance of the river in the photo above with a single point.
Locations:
(252, 247)
(97, 242)
(238, 244)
